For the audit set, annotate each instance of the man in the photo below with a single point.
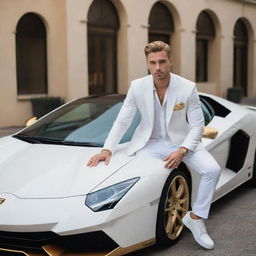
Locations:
(170, 128)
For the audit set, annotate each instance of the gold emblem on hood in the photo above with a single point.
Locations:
(2, 200)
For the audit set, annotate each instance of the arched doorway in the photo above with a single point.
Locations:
(161, 25)
(240, 64)
(31, 55)
(103, 24)
(204, 36)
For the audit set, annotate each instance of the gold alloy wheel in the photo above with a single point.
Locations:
(177, 204)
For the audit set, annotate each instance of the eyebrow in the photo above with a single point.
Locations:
(161, 60)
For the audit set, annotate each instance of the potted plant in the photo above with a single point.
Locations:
(43, 105)
(235, 94)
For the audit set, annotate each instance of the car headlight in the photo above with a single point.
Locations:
(108, 197)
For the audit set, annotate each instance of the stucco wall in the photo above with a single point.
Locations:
(14, 109)
(66, 23)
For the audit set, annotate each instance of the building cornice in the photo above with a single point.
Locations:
(247, 1)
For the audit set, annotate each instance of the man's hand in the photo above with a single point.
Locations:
(174, 159)
(103, 156)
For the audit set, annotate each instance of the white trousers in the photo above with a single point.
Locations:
(200, 161)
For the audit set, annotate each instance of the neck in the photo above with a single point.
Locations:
(162, 84)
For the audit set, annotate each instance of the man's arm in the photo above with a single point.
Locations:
(122, 121)
(196, 123)
(195, 120)
(119, 128)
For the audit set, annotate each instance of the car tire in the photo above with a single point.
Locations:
(173, 205)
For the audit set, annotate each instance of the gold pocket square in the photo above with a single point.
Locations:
(179, 106)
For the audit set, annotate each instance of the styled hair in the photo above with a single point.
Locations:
(157, 46)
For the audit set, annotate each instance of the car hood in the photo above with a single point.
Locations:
(51, 171)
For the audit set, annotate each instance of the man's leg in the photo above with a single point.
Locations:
(157, 150)
(202, 162)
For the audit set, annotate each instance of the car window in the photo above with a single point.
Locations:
(96, 131)
(215, 108)
(208, 111)
(86, 121)
(89, 120)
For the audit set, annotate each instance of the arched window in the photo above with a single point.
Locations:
(103, 24)
(205, 33)
(240, 65)
(31, 56)
(161, 24)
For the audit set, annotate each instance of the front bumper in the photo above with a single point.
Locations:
(131, 224)
(50, 244)
(32, 243)
(36, 227)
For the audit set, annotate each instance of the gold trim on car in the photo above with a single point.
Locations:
(122, 251)
(22, 252)
(55, 250)
(210, 132)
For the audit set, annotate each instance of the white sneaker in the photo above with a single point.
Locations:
(198, 230)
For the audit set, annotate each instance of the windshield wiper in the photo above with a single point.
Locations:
(64, 142)
(85, 144)
(26, 138)
(44, 140)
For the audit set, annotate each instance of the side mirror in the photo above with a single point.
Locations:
(30, 121)
(210, 133)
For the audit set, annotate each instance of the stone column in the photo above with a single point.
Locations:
(188, 53)
(77, 67)
(137, 38)
(226, 64)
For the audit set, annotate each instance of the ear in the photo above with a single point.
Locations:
(171, 61)
(147, 63)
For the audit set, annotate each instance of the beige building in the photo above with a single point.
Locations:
(74, 48)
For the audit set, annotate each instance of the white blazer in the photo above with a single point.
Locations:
(184, 117)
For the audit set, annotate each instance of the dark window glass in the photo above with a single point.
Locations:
(103, 14)
(85, 121)
(31, 57)
(161, 23)
(103, 23)
(205, 33)
(240, 32)
(205, 26)
(201, 60)
(240, 56)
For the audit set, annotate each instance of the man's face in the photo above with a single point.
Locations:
(159, 65)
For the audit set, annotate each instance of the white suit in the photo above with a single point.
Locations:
(184, 123)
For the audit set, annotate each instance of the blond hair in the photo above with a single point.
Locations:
(157, 46)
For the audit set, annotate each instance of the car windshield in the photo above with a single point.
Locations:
(85, 121)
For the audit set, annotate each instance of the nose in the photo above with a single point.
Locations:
(157, 66)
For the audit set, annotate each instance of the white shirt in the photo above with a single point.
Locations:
(159, 134)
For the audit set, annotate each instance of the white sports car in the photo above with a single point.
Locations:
(51, 203)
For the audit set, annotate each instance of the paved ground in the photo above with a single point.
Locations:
(232, 225)
(9, 130)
